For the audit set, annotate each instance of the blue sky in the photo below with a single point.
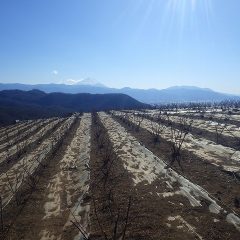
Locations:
(135, 43)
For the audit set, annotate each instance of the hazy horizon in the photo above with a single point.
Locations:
(124, 43)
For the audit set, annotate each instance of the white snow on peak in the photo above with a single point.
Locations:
(85, 81)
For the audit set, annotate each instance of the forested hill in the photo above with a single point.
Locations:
(177, 94)
(17, 104)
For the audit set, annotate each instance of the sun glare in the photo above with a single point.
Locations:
(188, 13)
(172, 14)
(190, 6)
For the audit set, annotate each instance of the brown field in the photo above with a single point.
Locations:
(122, 175)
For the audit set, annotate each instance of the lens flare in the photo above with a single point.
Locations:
(169, 17)
(186, 9)
(187, 18)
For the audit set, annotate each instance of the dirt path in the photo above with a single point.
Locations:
(10, 130)
(188, 210)
(111, 188)
(59, 198)
(20, 172)
(20, 137)
(68, 187)
(13, 150)
(224, 186)
(219, 131)
(43, 135)
(211, 116)
(211, 126)
(225, 158)
(225, 134)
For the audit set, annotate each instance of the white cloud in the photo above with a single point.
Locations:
(55, 72)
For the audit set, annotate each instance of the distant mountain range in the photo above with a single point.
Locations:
(153, 96)
(21, 105)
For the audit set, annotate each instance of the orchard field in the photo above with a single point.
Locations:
(136, 174)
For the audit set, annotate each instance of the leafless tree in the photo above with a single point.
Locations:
(29, 177)
(13, 186)
(125, 118)
(109, 213)
(137, 119)
(108, 160)
(219, 127)
(157, 127)
(119, 228)
(98, 131)
(178, 137)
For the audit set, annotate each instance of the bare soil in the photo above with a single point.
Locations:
(24, 221)
(156, 217)
(225, 187)
(225, 120)
(120, 207)
(6, 165)
(227, 141)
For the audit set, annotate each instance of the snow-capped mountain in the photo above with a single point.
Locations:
(85, 82)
